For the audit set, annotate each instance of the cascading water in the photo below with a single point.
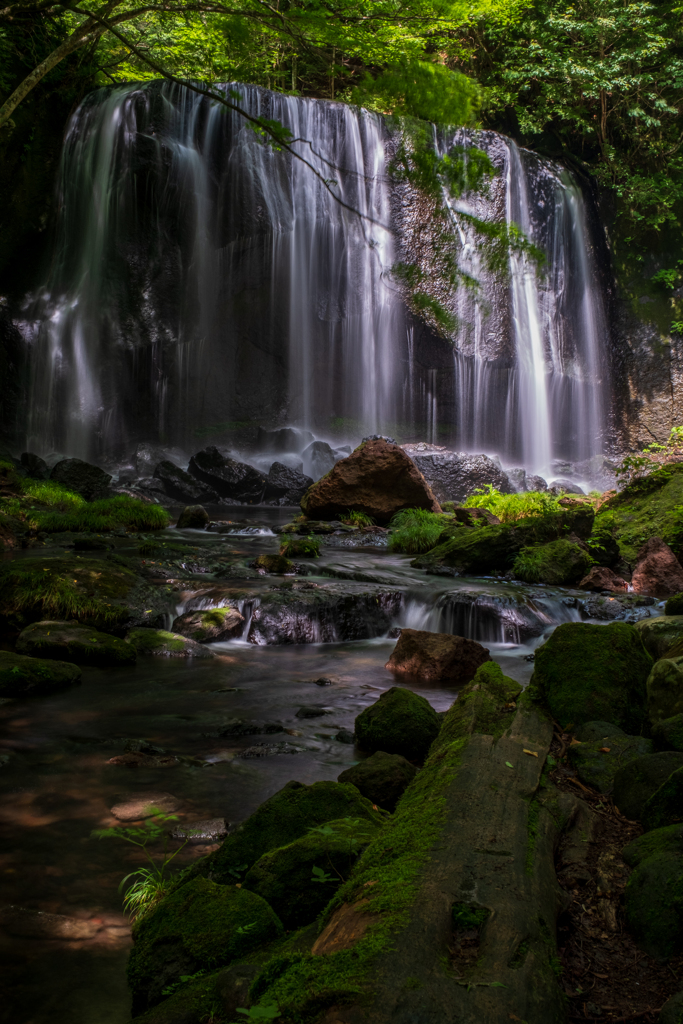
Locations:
(204, 281)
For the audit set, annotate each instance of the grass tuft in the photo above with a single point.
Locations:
(511, 507)
(414, 530)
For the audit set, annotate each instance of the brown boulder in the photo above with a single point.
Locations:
(378, 478)
(658, 571)
(601, 578)
(436, 657)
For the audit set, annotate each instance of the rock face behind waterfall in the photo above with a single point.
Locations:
(454, 476)
(377, 478)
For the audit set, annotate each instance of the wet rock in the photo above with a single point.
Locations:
(34, 466)
(148, 456)
(312, 711)
(653, 901)
(139, 806)
(229, 478)
(324, 681)
(180, 485)
(165, 644)
(536, 483)
(345, 736)
(276, 565)
(400, 722)
(238, 572)
(193, 517)
(635, 783)
(597, 762)
(319, 459)
(268, 750)
(665, 806)
(36, 924)
(208, 830)
(91, 542)
(137, 759)
(143, 745)
(286, 483)
(600, 578)
(658, 572)
(436, 657)
(559, 563)
(201, 925)
(586, 673)
(71, 641)
(21, 676)
(517, 478)
(668, 733)
(378, 479)
(484, 705)
(90, 482)
(323, 614)
(662, 636)
(286, 439)
(455, 476)
(212, 625)
(665, 689)
(240, 727)
(563, 486)
(592, 732)
(382, 778)
(674, 606)
(286, 877)
(672, 1011)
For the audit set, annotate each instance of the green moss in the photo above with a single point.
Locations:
(661, 634)
(665, 807)
(661, 840)
(382, 778)
(668, 733)
(76, 643)
(586, 673)
(400, 722)
(60, 588)
(559, 563)
(276, 564)
(483, 705)
(24, 676)
(47, 506)
(639, 780)
(156, 641)
(468, 916)
(597, 768)
(674, 606)
(301, 547)
(653, 903)
(650, 507)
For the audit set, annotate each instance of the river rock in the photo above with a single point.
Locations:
(454, 476)
(283, 482)
(90, 482)
(665, 806)
(180, 485)
(662, 636)
(199, 926)
(148, 456)
(208, 830)
(587, 672)
(658, 572)
(229, 478)
(472, 516)
(665, 689)
(274, 565)
(563, 486)
(598, 761)
(668, 733)
(436, 657)
(193, 517)
(601, 578)
(674, 606)
(400, 722)
(21, 676)
(319, 458)
(382, 778)
(34, 466)
(165, 644)
(591, 732)
(286, 439)
(138, 759)
(36, 924)
(653, 900)
(636, 782)
(286, 877)
(560, 563)
(211, 625)
(139, 806)
(71, 641)
(536, 483)
(377, 478)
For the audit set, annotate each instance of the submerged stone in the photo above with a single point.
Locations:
(382, 778)
(90, 482)
(214, 624)
(139, 806)
(400, 722)
(165, 644)
(636, 782)
(436, 657)
(21, 676)
(74, 642)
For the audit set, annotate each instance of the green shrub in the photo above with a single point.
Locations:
(511, 507)
(357, 519)
(415, 530)
(102, 516)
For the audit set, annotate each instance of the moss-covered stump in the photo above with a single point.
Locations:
(282, 819)
(661, 634)
(653, 900)
(586, 672)
(71, 641)
(400, 722)
(665, 689)
(476, 820)
(214, 624)
(436, 657)
(559, 563)
(197, 927)
(665, 806)
(21, 676)
(165, 644)
(668, 733)
(598, 761)
(299, 880)
(382, 778)
(636, 782)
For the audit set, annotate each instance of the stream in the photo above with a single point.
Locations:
(237, 725)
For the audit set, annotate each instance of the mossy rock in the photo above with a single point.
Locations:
(282, 819)
(559, 563)
(218, 995)
(483, 706)
(199, 926)
(674, 606)
(193, 517)
(298, 880)
(665, 689)
(638, 781)
(586, 672)
(211, 625)
(668, 733)
(21, 676)
(661, 840)
(73, 642)
(85, 589)
(672, 1011)
(165, 644)
(660, 634)
(653, 904)
(598, 767)
(275, 565)
(382, 778)
(400, 722)
(643, 510)
(665, 806)
(591, 732)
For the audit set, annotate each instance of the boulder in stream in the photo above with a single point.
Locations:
(180, 485)
(193, 517)
(658, 572)
(378, 479)
(72, 641)
(165, 644)
(436, 657)
(400, 722)
(560, 563)
(601, 578)
(454, 476)
(21, 676)
(319, 458)
(382, 778)
(229, 478)
(210, 625)
(89, 481)
(286, 483)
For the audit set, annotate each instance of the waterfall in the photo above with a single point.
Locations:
(203, 282)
